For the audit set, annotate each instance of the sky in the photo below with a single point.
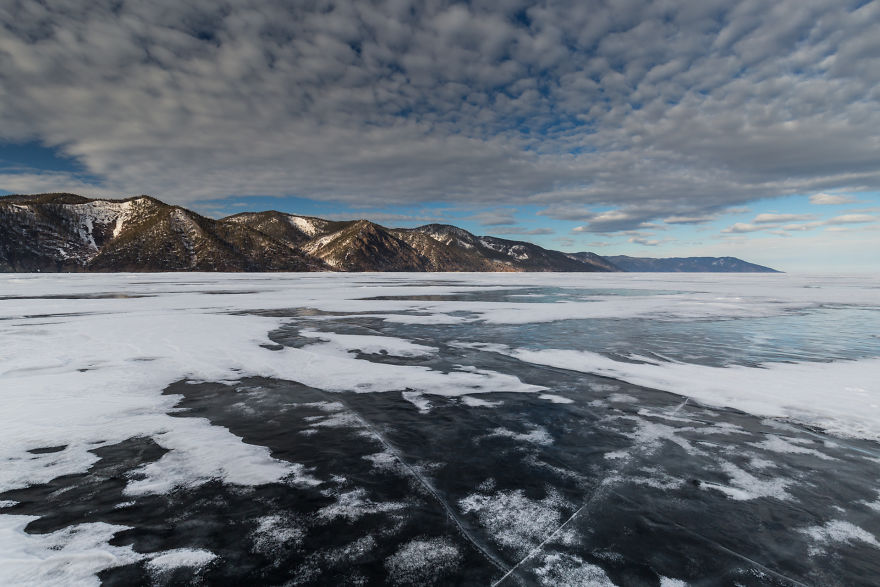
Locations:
(690, 128)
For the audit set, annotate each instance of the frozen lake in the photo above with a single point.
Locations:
(417, 429)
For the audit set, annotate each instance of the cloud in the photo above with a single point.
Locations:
(623, 219)
(521, 230)
(851, 219)
(35, 182)
(566, 212)
(742, 227)
(690, 219)
(806, 226)
(776, 218)
(643, 241)
(831, 199)
(654, 110)
(494, 218)
(772, 221)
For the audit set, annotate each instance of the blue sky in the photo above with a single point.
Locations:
(641, 128)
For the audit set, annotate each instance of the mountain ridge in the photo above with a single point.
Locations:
(67, 232)
(687, 265)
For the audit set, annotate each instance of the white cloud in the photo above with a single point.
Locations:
(831, 199)
(522, 230)
(762, 221)
(644, 241)
(742, 227)
(494, 218)
(805, 226)
(393, 102)
(690, 219)
(46, 182)
(772, 218)
(852, 219)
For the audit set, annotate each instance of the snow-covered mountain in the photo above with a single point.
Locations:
(686, 264)
(66, 232)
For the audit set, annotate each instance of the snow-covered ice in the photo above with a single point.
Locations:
(422, 373)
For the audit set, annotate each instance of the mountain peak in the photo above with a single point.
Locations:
(67, 232)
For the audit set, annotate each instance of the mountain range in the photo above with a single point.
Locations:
(67, 232)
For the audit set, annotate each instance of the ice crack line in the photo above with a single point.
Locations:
(540, 546)
(681, 405)
(450, 513)
(718, 545)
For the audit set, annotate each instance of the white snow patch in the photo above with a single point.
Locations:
(422, 561)
(567, 570)
(475, 402)
(181, 557)
(384, 461)
(556, 399)
(649, 436)
(426, 319)
(515, 521)
(307, 225)
(842, 397)
(874, 505)
(353, 505)
(418, 400)
(71, 556)
(275, 533)
(538, 435)
(837, 531)
(778, 444)
(247, 464)
(745, 486)
(369, 344)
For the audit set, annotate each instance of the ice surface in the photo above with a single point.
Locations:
(79, 373)
(388, 345)
(94, 373)
(86, 384)
(842, 397)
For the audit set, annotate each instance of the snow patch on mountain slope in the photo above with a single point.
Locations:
(307, 225)
(100, 213)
